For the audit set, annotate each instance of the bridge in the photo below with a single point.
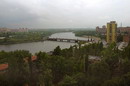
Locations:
(71, 40)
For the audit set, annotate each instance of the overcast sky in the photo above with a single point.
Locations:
(63, 13)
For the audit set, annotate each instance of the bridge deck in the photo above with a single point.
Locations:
(70, 40)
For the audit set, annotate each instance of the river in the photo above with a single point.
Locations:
(44, 46)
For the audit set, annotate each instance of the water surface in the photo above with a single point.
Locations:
(45, 46)
(34, 47)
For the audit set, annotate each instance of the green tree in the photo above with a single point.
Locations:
(100, 45)
(57, 51)
(125, 66)
(57, 65)
(118, 81)
(18, 68)
(81, 79)
(86, 64)
(126, 52)
(98, 73)
(113, 82)
(68, 81)
(119, 38)
(3, 57)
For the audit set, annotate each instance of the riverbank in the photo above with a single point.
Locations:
(93, 37)
(88, 34)
(10, 43)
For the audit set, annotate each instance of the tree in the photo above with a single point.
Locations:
(68, 53)
(98, 73)
(113, 82)
(126, 52)
(57, 65)
(86, 63)
(3, 80)
(81, 79)
(100, 45)
(125, 66)
(57, 51)
(125, 80)
(68, 81)
(118, 81)
(18, 68)
(119, 38)
(44, 74)
(3, 56)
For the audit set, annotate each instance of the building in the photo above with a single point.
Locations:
(102, 30)
(126, 38)
(125, 30)
(19, 30)
(93, 59)
(111, 32)
(4, 30)
(120, 30)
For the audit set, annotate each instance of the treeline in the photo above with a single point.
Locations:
(85, 32)
(68, 67)
(12, 38)
(82, 33)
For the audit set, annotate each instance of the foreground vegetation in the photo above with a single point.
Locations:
(68, 67)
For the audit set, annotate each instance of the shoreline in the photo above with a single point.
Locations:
(22, 42)
(94, 37)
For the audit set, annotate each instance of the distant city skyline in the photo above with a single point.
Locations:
(63, 13)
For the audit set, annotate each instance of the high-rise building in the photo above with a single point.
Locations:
(111, 32)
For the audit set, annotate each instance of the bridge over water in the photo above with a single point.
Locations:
(78, 39)
(69, 37)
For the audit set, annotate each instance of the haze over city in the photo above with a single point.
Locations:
(63, 13)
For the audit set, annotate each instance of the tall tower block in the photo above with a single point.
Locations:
(111, 31)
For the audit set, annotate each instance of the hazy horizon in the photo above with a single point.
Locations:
(63, 13)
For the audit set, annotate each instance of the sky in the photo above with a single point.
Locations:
(63, 13)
